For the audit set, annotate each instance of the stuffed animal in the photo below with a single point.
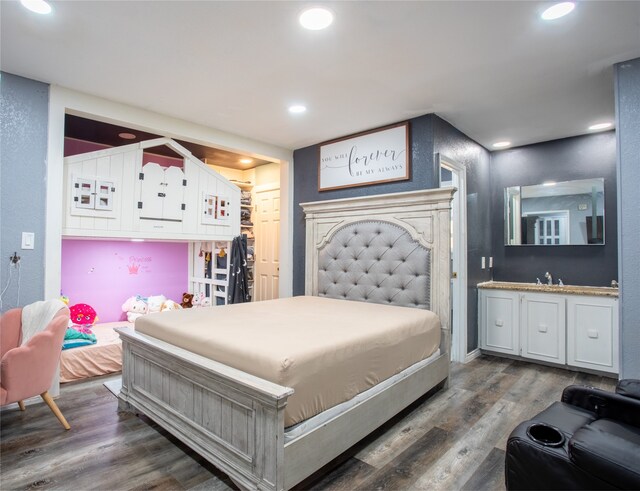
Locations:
(155, 303)
(170, 305)
(187, 300)
(82, 314)
(205, 302)
(135, 307)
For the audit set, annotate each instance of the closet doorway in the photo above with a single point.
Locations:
(454, 174)
(267, 231)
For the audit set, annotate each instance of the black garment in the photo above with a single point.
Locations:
(238, 291)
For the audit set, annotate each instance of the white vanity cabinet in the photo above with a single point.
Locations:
(575, 330)
(499, 322)
(543, 327)
(592, 333)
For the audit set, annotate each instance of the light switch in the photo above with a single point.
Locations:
(28, 239)
(491, 261)
(482, 262)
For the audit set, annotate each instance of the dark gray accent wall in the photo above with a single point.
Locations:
(428, 134)
(305, 185)
(24, 110)
(453, 144)
(627, 95)
(580, 157)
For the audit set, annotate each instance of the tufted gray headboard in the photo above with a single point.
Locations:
(391, 249)
(375, 261)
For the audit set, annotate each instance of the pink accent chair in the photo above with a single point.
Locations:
(27, 371)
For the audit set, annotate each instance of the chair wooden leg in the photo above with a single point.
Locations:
(54, 408)
(21, 405)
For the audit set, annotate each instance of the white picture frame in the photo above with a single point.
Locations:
(371, 157)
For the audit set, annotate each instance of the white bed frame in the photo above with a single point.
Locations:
(236, 420)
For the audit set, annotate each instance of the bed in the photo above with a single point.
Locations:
(102, 358)
(371, 251)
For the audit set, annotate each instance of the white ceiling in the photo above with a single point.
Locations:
(492, 69)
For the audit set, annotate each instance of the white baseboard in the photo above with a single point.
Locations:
(472, 355)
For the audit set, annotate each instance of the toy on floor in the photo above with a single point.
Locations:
(82, 316)
(187, 300)
(170, 305)
(155, 303)
(135, 307)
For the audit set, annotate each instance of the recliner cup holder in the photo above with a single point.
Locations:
(545, 434)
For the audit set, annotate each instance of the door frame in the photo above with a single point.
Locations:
(459, 305)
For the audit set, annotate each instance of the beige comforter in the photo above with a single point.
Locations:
(327, 350)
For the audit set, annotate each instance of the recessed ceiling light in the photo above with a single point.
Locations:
(297, 109)
(246, 161)
(549, 183)
(501, 144)
(37, 6)
(316, 18)
(137, 240)
(600, 126)
(558, 10)
(127, 136)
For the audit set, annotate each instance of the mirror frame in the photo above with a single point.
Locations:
(512, 205)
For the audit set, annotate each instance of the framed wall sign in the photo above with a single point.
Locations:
(371, 157)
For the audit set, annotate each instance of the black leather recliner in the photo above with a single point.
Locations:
(589, 440)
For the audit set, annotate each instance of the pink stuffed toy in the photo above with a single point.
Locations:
(82, 316)
(135, 307)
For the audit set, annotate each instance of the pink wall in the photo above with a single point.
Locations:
(104, 273)
(75, 147)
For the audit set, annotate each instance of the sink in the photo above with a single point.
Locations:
(604, 291)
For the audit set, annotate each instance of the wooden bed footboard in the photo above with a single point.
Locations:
(231, 418)
(236, 420)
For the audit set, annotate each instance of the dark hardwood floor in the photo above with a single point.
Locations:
(453, 439)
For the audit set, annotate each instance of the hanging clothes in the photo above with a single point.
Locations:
(238, 291)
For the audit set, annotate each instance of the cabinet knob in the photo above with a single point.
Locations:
(542, 328)
(499, 322)
(592, 333)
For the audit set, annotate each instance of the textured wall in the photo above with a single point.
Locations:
(628, 123)
(305, 178)
(24, 106)
(580, 157)
(104, 273)
(453, 144)
(428, 134)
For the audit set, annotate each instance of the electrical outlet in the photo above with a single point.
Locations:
(483, 263)
(491, 261)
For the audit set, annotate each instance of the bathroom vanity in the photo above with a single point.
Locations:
(570, 326)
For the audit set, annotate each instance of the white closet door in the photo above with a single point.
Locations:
(152, 191)
(174, 193)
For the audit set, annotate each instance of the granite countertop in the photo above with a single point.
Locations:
(597, 291)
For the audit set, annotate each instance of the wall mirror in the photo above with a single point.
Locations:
(555, 213)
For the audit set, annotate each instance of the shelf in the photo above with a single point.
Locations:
(246, 226)
(246, 186)
(249, 207)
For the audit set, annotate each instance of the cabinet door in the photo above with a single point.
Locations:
(85, 193)
(543, 327)
(592, 333)
(173, 193)
(499, 321)
(152, 191)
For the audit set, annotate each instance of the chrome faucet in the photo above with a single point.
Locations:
(538, 282)
(614, 284)
(560, 283)
(549, 278)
